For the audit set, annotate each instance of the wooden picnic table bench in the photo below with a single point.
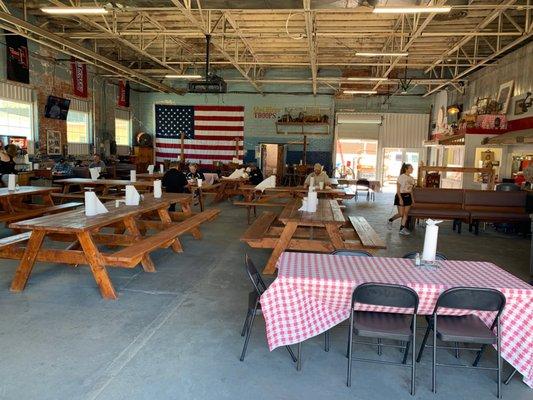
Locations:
(85, 233)
(37, 212)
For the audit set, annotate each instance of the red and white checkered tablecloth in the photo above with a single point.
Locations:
(312, 293)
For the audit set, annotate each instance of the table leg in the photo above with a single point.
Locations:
(165, 218)
(47, 199)
(201, 198)
(28, 260)
(335, 236)
(146, 261)
(96, 262)
(283, 242)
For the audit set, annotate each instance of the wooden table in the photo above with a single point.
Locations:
(150, 177)
(104, 184)
(85, 233)
(322, 231)
(374, 185)
(11, 200)
(228, 188)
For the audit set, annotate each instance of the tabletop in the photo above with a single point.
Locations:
(103, 182)
(322, 284)
(154, 176)
(77, 221)
(27, 190)
(327, 211)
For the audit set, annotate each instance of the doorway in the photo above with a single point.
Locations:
(272, 159)
(393, 158)
(356, 159)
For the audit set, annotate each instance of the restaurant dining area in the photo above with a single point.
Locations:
(298, 199)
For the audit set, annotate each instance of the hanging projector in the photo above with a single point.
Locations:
(212, 82)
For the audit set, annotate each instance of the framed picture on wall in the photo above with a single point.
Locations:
(53, 142)
(504, 95)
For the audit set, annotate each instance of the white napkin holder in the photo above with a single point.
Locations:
(151, 169)
(309, 203)
(267, 183)
(93, 205)
(132, 196)
(158, 191)
(95, 173)
(133, 175)
(199, 182)
(12, 182)
(430, 240)
(235, 160)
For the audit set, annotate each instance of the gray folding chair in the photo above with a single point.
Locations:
(381, 325)
(466, 328)
(355, 253)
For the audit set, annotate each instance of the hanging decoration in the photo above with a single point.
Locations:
(18, 61)
(78, 71)
(123, 93)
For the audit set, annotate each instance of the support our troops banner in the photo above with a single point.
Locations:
(78, 71)
(18, 60)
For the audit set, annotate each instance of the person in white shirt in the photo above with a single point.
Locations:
(319, 175)
(403, 199)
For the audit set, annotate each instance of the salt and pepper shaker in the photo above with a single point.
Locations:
(418, 262)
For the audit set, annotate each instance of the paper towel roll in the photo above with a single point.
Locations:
(133, 175)
(132, 196)
(199, 182)
(90, 204)
(158, 192)
(150, 169)
(304, 205)
(94, 173)
(312, 201)
(161, 168)
(312, 182)
(267, 183)
(430, 240)
(12, 182)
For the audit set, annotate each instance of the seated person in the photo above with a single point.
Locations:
(255, 175)
(319, 175)
(174, 181)
(193, 173)
(62, 168)
(97, 162)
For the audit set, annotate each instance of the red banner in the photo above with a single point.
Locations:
(79, 77)
(123, 93)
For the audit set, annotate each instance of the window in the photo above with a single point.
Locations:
(123, 132)
(77, 126)
(16, 119)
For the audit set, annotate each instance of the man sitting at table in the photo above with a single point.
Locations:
(174, 181)
(255, 175)
(63, 169)
(98, 163)
(319, 175)
(194, 174)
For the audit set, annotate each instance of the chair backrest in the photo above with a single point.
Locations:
(472, 298)
(254, 275)
(412, 255)
(355, 253)
(385, 294)
(363, 182)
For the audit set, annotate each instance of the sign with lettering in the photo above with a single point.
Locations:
(266, 112)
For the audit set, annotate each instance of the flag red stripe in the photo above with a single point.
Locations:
(215, 137)
(219, 108)
(216, 118)
(218, 128)
(196, 146)
(172, 156)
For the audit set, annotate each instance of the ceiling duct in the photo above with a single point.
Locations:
(212, 82)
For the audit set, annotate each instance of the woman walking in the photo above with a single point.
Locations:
(403, 199)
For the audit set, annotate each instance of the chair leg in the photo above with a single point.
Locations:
(299, 358)
(326, 341)
(248, 333)
(380, 349)
(294, 359)
(434, 360)
(459, 226)
(456, 349)
(406, 352)
(499, 344)
(413, 366)
(245, 326)
(350, 349)
(426, 335)
(478, 357)
(510, 377)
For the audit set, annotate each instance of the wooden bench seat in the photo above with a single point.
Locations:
(38, 212)
(367, 235)
(132, 255)
(11, 240)
(260, 227)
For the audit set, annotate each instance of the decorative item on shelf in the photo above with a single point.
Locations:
(491, 121)
(454, 109)
(482, 104)
(522, 106)
(504, 95)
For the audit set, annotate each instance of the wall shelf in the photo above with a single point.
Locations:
(302, 128)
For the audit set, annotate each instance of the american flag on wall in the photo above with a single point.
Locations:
(212, 133)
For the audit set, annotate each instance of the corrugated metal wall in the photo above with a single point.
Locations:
(404, 130)
(15, 92)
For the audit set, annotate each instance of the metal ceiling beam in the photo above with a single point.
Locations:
(488, 19)
(238, 32)
(197, 24)
(60, 44)
(311, 41)
(504, 49)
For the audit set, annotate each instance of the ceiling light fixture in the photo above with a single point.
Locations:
(183, 76)
(371, 79)
(410, 10)
(74, 10)
(373, 54)
(359, 91)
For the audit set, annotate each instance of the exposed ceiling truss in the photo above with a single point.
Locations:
(146, 40)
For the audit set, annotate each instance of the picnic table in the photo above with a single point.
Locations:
(228, 188)
(104, 184)
(85, 233)
(322, 231)
(15, 206)
(322, 285)
(150, 177)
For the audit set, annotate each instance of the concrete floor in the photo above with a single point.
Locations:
(175, 334)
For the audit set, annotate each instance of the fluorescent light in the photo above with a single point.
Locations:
(373, 54)
(359, 91)
(360, 78)
(183, 76)
(74, 10)
(410, 10)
